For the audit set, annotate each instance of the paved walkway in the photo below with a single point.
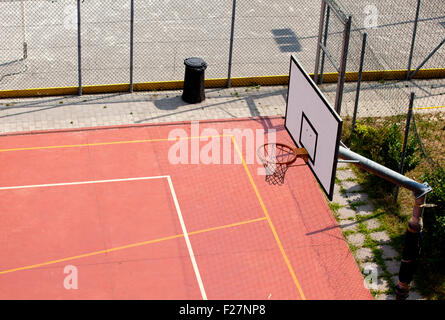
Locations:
(144, 107)
(153, 107)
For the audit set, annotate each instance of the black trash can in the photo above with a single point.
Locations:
(194, 80)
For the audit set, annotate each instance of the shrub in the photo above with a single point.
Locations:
(434, 218)
(384, 146)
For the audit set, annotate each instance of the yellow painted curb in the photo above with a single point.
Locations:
(218, 83)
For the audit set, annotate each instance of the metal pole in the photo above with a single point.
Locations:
(410, 60)
(411, 250)
(325, 40)
(344, 58)
(232, 33)
(79, 49)
(320, 35)
(418, 189)
(359, 81)
(25, 44)
(405, 141)
(426, 59)
(131, 45)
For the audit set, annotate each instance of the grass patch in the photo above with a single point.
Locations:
(356, 204)
(334, 206)
(347, 233)
(394, 216)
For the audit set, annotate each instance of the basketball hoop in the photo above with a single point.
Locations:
(277, 158)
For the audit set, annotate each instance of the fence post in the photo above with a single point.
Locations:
(325, 41)
(359, 81)
(25, 44)
(405, 141)
(232, 33)
(410, 59)
(131, 44)
(344, 58)
(320, 34)
(79, 50)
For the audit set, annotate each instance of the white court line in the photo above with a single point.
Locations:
(187, 240)
(175, 200)
(79, 183)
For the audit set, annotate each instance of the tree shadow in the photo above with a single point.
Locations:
(287, 40)
(12, 68)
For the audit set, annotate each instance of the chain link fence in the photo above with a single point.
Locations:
(267, 32)
(165, 33)
(396, 42)
(40, 45)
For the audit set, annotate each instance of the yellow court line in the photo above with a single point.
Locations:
(275, 234)
(111, 143)
(138, 244)
(430, 107)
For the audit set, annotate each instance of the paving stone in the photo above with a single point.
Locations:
(373, 272)
(348, 225)
(353, 189)
(345, 174)
(343, 165)
(372, 266)
(355, 197)
(365, 210)
(381, 237)
(351, 186)
(356, 239)
(392, 266)
(364, 254)
(372, 224)
(345, 213)
(382, 285)
(388, 252)
(340, 199)
(414, 295)
(383, 296)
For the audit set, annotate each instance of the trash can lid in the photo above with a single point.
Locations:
(196, 63)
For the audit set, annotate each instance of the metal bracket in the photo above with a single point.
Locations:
(428, 205)
(348, 161)
(343, 145)
(302, 153)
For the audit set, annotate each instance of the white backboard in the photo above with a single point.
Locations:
(314, 125)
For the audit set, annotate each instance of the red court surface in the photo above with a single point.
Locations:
(110, 202)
